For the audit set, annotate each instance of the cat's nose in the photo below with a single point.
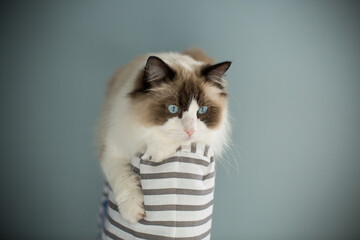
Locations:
(190, 132)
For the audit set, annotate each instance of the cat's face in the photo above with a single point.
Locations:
(184, 104)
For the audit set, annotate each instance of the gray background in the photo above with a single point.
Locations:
(293, 172)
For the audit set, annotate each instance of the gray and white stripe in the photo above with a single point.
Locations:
(178, 194)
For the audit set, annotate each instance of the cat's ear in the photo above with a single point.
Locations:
(214, 73)
(156, 71)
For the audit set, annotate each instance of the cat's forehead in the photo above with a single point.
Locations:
(190, 90)
(182, 92)
(187, 87)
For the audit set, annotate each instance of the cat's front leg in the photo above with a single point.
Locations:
(131, 200)
(125, 185)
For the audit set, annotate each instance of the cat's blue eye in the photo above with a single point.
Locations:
(203, 110)
(173, 109)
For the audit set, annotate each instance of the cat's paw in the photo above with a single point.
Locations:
(132, 209)
(159, 156)
(159, 153)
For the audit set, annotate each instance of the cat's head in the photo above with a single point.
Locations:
(185, 101)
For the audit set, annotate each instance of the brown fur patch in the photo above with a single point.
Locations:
(151, 106)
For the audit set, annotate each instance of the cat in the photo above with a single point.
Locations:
(156, 103)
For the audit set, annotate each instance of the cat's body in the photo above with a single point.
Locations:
(156, 103)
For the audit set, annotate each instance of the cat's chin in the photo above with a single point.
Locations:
(183, 140)
(187, 140)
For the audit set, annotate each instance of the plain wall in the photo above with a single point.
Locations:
(293, 171)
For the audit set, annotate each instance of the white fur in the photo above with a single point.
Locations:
(124, 136)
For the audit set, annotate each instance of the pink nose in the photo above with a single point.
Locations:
(190, 132)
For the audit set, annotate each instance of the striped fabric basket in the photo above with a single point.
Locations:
(178, 196)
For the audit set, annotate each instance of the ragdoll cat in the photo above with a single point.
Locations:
(155, 104)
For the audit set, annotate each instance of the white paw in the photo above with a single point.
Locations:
(159, 156)
(159, 153)
(132, 209)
